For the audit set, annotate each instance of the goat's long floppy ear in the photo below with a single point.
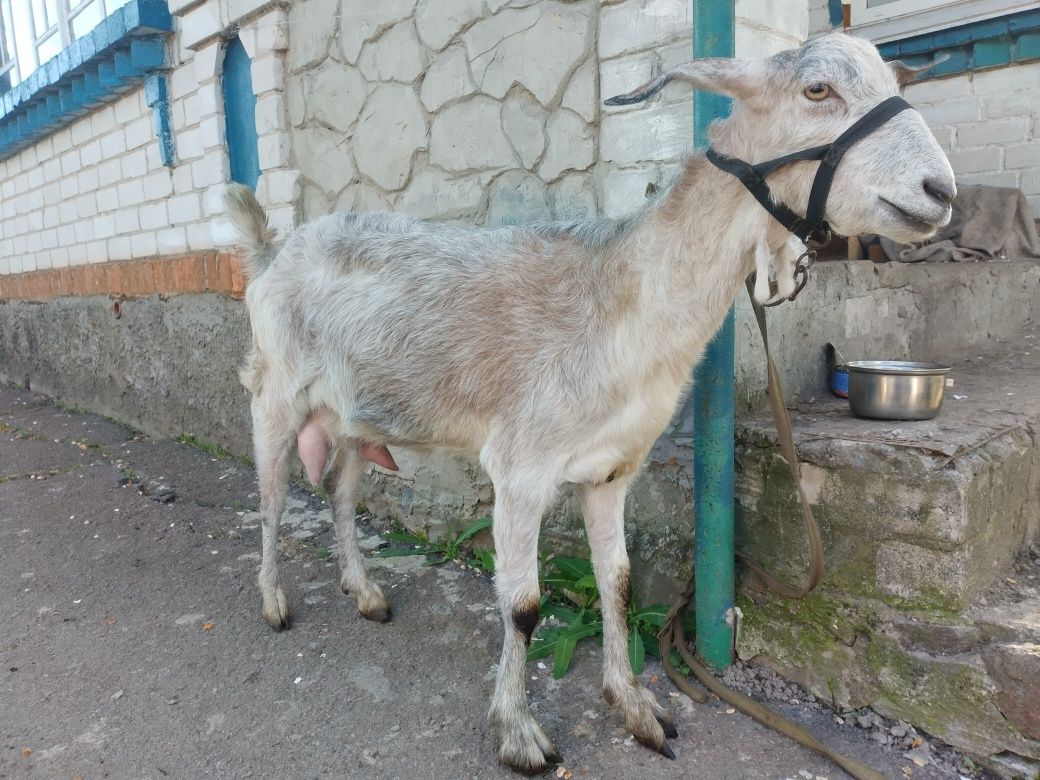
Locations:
(731, 77)
(907, 73)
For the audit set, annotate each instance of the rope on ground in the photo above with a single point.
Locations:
(672, 634)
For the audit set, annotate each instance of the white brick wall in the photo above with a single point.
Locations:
(989, 124)
(96, 190)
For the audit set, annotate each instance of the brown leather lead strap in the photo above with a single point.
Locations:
(786, 438)
(673, 635)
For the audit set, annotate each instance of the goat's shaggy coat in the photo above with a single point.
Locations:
(554, 353)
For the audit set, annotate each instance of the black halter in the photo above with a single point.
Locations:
(813, 230)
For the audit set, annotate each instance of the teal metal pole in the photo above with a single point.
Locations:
(713, 401)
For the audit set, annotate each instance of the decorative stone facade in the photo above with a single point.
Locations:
(447, 110)
(491, 113)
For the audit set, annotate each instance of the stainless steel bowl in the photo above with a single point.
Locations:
(896, 389)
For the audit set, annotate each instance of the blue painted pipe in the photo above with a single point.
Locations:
(713, 402)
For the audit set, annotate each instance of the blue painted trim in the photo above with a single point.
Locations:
(240, 115)
(157, 97)
(114, 57)
(993, 43)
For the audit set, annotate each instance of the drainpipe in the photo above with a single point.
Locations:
(713, 402)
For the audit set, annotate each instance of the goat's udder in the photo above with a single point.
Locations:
(313, 446)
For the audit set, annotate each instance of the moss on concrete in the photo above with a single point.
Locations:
(845, 651)
(952, 698)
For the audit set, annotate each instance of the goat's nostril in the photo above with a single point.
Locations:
(940, 190)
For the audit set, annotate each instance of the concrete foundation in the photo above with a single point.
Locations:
(923, 613)
(169, 367)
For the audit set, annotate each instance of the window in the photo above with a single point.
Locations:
(240, 115)
(886, 20)
(34, 31)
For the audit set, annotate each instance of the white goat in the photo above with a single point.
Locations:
(554, 353)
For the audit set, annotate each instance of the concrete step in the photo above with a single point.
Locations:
(929, 610)
(920, 514)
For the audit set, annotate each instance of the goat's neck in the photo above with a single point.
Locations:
(692, 251)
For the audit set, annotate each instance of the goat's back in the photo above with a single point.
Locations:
(418, 333)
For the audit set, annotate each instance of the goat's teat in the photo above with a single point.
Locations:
(312, 445)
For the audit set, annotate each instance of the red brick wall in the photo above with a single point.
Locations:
(195, 273)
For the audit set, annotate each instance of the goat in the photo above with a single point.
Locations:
(555, 353)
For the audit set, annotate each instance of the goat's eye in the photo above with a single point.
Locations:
(817, 91)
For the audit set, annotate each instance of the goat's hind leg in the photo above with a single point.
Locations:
(272, 465)
(603, 509)
(341, 485)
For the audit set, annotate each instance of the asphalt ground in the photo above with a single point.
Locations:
(132, 644)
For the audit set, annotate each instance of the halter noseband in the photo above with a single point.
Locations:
(813, 230)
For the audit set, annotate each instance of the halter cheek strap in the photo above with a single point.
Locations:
(813, 228)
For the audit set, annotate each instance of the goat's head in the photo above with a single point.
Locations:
(896, 181)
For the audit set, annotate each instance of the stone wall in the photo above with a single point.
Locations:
(492, 113)
(459, 111)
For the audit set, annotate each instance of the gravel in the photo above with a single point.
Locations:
(935, 758)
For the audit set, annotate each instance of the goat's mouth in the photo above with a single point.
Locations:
(914, 221)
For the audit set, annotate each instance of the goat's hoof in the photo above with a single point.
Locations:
(656, 742)
(650, 723)
(276, 611)
(668, 726)
(378, 615)
(526, 749)
(279, 621)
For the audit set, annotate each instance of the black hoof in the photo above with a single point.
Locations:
(534, 771)
(664, 749)
(669, 727)
(282, 625)
(381, 615)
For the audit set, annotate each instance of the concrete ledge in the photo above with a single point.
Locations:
(922, 613)
(919, 514)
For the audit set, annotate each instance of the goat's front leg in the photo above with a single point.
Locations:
(517, 518)
(603, 508)
(341, 485)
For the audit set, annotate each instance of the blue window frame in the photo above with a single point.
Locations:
(32, 32)
(117, 55)
(240, 115)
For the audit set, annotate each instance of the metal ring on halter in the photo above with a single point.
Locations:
(801, 272)
(813, 243)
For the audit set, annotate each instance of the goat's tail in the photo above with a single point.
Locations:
(252, 232)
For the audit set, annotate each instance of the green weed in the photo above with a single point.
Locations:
(438, 551)
(570, 597)
(213, 449)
